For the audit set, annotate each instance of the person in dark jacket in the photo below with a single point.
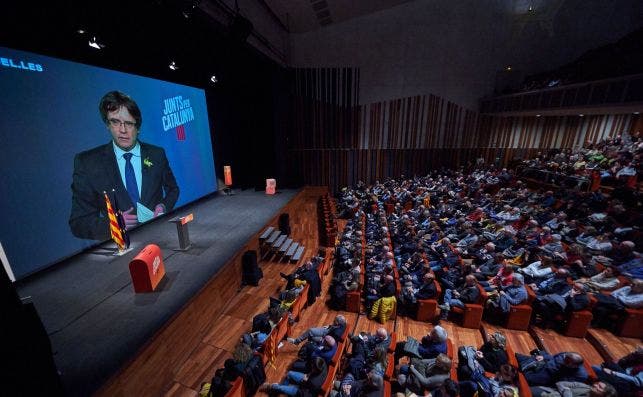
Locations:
(543, 369)
(549, 306)
(493, 354)
(301, 384)
(468, 293)
(316, 334)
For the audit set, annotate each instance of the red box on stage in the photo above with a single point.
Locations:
(271, 186)
(147, 269)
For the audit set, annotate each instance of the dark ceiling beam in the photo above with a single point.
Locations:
(274, 16)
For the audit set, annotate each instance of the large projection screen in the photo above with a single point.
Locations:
(50, 113)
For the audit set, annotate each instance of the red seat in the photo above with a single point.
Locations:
(472, 312)
(427, 308)
(520, 315)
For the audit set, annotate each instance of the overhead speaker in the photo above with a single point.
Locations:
(240, 28)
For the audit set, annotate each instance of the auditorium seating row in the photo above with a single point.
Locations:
(326, 210)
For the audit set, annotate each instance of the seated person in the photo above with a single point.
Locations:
(468, 293)
(371, 386)
(502, 384)
(606, 280)
(425, 375)
(625, 375)
(493, 354)
(325, 349)
(432, 344)
(364, 344)
(537, 270)
(512, 295)
(385, 289)
(547, 307)
(571, 389)
(410, 295)
(316, 334)
(543, 369)
(300, 383)
(556, 283)
(615, 304)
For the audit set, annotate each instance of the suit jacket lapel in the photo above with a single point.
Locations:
(145, 175)
(115, 180)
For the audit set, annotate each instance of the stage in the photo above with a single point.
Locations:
(96, 322)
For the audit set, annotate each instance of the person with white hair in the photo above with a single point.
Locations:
(316, 334)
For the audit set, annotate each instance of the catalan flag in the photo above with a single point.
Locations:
(114, 227)
(121, 223)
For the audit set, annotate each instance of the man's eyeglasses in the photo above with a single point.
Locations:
(117, 123)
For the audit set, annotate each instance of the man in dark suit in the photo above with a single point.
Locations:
(136, 172)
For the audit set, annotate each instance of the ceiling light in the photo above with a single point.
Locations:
(508, 68)
(636, 112)
(537, 115)
(213, 79)
(581, 115)
(93, 43)
(173, 66)
(81, 31)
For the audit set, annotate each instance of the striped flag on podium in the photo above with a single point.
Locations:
(114, 227)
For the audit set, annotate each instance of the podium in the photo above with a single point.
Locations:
(147, 269)
(182, 231)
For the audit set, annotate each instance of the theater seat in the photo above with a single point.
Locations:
(519, 315)
(472, 312)
(427, 307)
(632, 325)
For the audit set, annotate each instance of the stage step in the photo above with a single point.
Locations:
(278, 243)
(266, 233)
(291, 250)
(284, 247)
(298, 254)
(273, 237)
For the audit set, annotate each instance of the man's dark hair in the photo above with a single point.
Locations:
(114, 100)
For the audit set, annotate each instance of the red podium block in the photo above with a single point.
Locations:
(271, 186)
(147, 269)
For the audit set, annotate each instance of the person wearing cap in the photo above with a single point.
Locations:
(493, 354)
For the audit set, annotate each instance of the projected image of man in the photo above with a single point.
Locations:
(138, 174)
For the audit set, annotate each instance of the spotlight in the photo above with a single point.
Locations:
(81, 31)
(173, 66)
(508, 68)
(581, 115)
(537, 115)
(530, 9)
(213, 79)
(93, 43)
(189, 10)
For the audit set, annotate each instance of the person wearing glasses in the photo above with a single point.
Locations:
(130, 171)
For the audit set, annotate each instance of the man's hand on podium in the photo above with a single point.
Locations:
(130, 219)
(159, 210)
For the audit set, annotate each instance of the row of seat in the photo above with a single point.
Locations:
(326, 210)
(270, 348)
(273, 242)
